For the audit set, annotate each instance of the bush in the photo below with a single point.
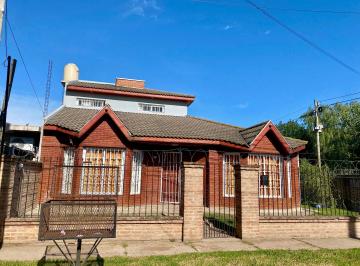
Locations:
(316, 185)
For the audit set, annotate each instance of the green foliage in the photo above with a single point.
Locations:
(317, 185)
(340, 139)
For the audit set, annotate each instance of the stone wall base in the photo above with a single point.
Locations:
(26, 230)
(309, 227)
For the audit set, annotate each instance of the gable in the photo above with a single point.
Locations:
(270, 140)
(104, 133)
(268, 144)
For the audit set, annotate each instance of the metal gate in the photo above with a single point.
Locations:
(219, 198)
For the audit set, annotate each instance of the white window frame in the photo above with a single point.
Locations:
(68, 170)
(136, 167)
(121, 169)
(235, 156)
(289, 177)
(152, 108)
(92, 103)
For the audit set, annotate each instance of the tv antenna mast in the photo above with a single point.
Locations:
(47, 89)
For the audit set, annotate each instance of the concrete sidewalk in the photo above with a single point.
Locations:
(109, 248)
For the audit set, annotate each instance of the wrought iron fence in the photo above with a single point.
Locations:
(307, 190)
(219, 199)
(144, 184)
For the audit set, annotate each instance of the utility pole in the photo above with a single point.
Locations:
(318, 129)
(11, 66)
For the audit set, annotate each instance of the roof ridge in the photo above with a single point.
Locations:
(256, 125)
(160, 90)
(87, 83)
(295, 139)
(215, 122)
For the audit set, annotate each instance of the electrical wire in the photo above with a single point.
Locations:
(326, 11)
(303, 38)
(339, 97)
(24, 64)
(345, 101)
(5, 15)
(314, 11)
(292, 31)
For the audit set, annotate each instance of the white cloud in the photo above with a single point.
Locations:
(228, 27)
(142, 8)
(241, 105)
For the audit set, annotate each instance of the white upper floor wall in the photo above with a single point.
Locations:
(124, 104)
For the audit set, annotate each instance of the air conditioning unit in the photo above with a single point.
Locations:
(22, 143)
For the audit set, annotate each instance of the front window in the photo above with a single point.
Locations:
(136, 172)
(229, 161)
(88, 102)
(103, 171)
(68, 170)
(152, 108)
(270, 174)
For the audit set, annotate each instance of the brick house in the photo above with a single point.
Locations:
(138, 138)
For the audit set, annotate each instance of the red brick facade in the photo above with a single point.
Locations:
(105, 133)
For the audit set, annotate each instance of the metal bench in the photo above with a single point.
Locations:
(62, 220)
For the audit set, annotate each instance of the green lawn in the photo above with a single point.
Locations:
(261, 257)
(227, 219)
(329, 211)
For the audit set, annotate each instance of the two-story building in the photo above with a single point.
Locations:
(125, 140)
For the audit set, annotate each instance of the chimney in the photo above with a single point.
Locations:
(130, 83)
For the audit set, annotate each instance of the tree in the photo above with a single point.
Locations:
(340, 139)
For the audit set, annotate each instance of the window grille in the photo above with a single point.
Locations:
(289, 177)
(103, 169)
(170, 177)
(87, 102)
(136, 172)
(229, 160)
(270, 174)
(152, 108)
(68, 170)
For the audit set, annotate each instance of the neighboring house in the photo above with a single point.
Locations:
(149, 133)
(22, 140)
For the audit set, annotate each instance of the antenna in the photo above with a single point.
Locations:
(47, 89)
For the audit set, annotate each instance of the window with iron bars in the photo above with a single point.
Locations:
(87, 102)
(229, 161)
(152, 108)
(102, 171)
(270, 174)
(136, 173)
(68, 170)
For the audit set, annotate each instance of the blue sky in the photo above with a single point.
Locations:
(242, 67)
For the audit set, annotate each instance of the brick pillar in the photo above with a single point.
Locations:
(247, 201)
(192, 201)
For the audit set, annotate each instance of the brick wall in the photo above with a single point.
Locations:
(26, 230)
(19, 182)
(309, 227)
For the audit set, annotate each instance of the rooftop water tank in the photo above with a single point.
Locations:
(71, 72)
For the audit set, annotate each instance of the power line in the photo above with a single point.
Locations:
(303, 38)
(299, 10)
(24, 64)
(339, 97)
(344, 101)
(314, 11)
(292, 31)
